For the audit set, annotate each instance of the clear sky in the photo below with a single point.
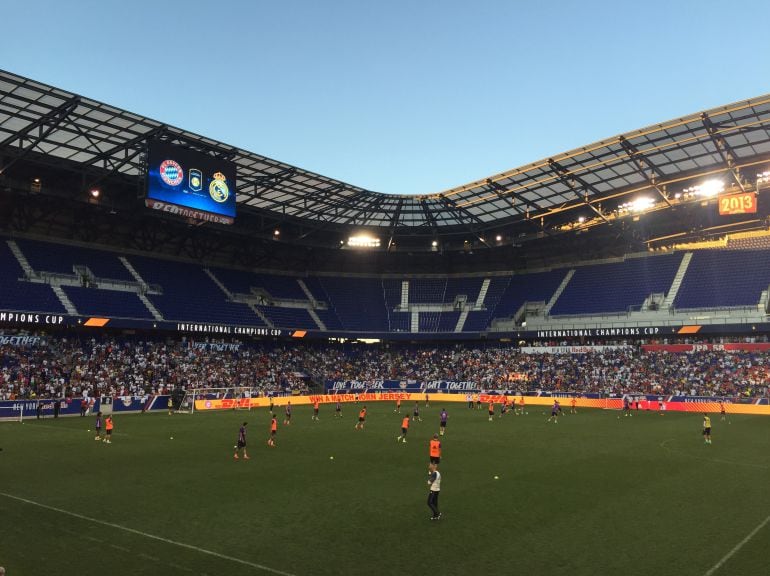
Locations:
(392, 95)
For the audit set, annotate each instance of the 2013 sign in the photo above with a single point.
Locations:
(745, 203)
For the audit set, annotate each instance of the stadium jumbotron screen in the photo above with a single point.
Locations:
(187, 183)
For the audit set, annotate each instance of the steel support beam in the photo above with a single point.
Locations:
(46, 124)
(724, 149)
(579, 186)
(642, 165)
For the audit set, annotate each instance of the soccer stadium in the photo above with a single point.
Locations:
(570, 331)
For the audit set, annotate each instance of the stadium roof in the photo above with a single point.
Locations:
(591, 181)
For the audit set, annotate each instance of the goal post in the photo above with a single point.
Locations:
(234, 398)
(14, 412)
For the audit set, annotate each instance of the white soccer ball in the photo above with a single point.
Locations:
(497, 478)
(171, 438)
(331, 457)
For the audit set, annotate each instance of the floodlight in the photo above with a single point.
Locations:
(363, 241)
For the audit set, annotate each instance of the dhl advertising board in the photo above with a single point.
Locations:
(600, 403)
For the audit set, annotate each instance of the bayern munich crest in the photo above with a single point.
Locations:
(171, 172)
(218, 189)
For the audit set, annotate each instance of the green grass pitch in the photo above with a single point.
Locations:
(593, 494)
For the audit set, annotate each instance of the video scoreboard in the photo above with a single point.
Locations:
(190, 184)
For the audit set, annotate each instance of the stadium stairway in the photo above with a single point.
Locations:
(143, 289)
(559, 291)
(677, 283)
(64, 299)
(21, 259)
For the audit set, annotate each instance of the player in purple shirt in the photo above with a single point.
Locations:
(287, 420)
(338, 410)
(442, 424)
(555, 411)
(98, 426)
(416, 413)
(241, 443)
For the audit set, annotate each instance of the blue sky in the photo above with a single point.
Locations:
(397, 96)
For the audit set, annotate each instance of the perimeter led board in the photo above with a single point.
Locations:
(191, 184)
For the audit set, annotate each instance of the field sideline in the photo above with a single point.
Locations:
(594, 494)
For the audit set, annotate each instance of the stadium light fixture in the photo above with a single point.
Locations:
(95, 193)
(363, 241)
(707, 189)
(434, 243)
(581, 219)
(276, 232)
(498, 238)
(637, 205)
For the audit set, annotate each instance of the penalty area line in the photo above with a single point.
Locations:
(150, 536)
(737, 547)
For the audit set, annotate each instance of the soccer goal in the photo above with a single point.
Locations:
(236, 398)
(242, 398)
(14, 412)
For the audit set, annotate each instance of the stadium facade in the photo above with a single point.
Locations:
(655, 233)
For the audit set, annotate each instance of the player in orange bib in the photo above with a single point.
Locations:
(491, 410)
(361, 418)
(398, 406)
(273, 431)
(315, 410)
(108, 426)
(521, 404)
(573, 406)
(404, 430)
(435, 450)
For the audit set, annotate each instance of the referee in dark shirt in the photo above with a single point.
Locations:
(434, 487)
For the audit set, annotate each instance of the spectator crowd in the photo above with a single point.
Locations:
(75, 368)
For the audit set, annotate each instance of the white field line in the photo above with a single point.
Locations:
(150, 536)
(737, 547)
(664, 445)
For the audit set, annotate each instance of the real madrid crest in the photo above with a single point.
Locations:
(218, 189)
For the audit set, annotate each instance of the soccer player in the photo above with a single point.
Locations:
(435, 450)
(271, 405)
(315, 410)
(170, 406)
(273, 430)
(98, 426)
(706, 428)
(442, 422)
(427, 405)
(241, 445)
(398, 406)
(477, 399)
(491, 410)
(626, 406)
(416, 413)
(722, 410)
(287, 419)
(555, 411)
(434, 487)
(503, 406)
(521, 404)
(573, 406)
(361, 418)
(108, 426)
(404, 430)
(338, 410)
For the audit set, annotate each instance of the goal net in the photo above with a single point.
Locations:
(236, 398)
